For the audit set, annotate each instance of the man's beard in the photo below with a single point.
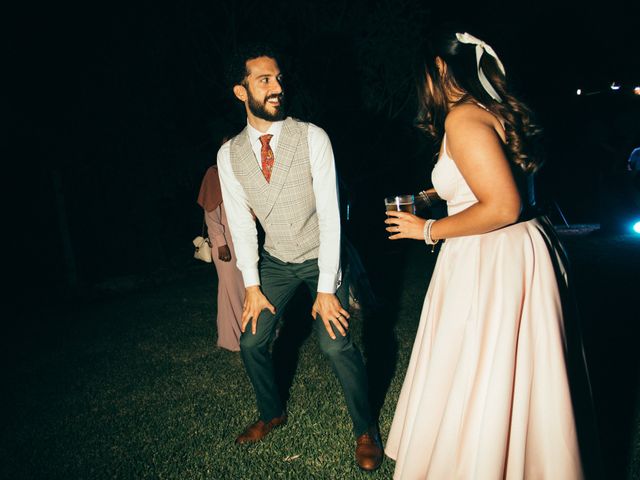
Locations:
(260, 110)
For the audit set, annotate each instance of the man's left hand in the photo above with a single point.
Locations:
(328, 307)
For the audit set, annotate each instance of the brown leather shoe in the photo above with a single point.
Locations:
(369, 450)
(257, 431)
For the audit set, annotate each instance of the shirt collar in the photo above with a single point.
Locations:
(274, 129)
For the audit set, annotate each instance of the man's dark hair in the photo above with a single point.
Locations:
(237, 67)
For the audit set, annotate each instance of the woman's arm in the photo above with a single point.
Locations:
(215, 227)
(427, 198)
(476, 147)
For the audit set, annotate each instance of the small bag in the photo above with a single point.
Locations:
(203, 246)
(203, 249)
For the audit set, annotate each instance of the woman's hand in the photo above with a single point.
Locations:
(404, 225)
(224, 253)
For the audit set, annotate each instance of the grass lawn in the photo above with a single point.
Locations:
(132, 386)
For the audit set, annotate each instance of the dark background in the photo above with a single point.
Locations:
(116, 110)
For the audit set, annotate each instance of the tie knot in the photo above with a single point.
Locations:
(264, 139)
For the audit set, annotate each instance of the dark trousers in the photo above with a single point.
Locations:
(279, 283)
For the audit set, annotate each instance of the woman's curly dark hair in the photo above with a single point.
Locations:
(523, 135)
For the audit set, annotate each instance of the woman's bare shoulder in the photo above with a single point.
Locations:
(468, 115)
(471, 124)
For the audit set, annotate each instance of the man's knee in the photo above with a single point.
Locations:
(247, 341)
(336, 348)
(250, 343)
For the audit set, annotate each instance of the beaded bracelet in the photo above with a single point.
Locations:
(427, 234)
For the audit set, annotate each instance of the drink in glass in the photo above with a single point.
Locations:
(400, 203)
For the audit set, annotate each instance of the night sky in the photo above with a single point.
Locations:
(116, 110)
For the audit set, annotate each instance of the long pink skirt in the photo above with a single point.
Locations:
(486, 393)
(230, 300)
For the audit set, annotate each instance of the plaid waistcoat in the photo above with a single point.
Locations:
(285, 207)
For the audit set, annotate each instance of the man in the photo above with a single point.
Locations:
(282, 170)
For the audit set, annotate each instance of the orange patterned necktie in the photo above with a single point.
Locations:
(266, 155)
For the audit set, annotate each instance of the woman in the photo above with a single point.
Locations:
(230, 283)
(486, 394)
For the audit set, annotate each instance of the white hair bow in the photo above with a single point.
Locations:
(482, 47)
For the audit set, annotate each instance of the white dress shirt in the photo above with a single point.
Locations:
(242, 224)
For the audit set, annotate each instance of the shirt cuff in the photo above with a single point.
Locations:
(251, 277)
(327, 283)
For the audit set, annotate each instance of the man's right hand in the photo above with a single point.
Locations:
(254, 303)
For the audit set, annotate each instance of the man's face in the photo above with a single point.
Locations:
(262, 90)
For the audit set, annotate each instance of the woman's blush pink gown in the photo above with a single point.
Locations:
(486, 393)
